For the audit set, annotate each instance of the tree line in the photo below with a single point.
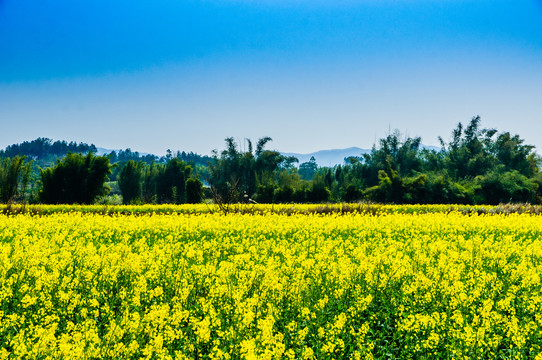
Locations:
(83, 178)
(42, 148)
(475, 166)
(45, 151)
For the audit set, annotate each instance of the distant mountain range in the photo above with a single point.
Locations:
(43, 147)
(102, 151)
(334, 157)
(329, 157)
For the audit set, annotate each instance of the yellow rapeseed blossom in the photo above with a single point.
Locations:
(189, 282)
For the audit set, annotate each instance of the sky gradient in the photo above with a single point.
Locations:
(184, 75)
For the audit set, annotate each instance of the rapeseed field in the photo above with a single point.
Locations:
(266, 285)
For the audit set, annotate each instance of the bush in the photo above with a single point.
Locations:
(284, 194)
(265, 194)
(194, 191)
(508, 187)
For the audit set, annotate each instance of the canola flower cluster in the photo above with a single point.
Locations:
(271, 286)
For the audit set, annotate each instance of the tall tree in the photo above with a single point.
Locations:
(129, 179)
(76, 178)
(402, 156)
(468, 154)
(514, 155)
(308, 169)
(171, 181)
(236, 175)
(194, 191)
(14, 177)
(150, 175)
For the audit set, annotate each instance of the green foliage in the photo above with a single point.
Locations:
(421, 189)
(130, 180)
(352, 193)
(171, 181)
(42, 148)
(401, 156)
(506, 187)
(284, 194)
(467, 156)
(475, 166)
(440, 189)
(14, 177)
(265, 194)
(318, 192)
(226, 173)
(513, 155)
(109, 200)
(390, 188)
(148, 191)
(194, 191)
(236, 175)
(122, 156)
(308, 169)
(76, 179)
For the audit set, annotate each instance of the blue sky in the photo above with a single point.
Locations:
(184, 75)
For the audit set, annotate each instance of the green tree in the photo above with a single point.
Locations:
(401, 156)
(308, 169)
(194, 191)
(171, 181)
(14, 177)
(288, 180)
(506, 187)
(148, 190)
(130, 180)
(76, 178)
(318, 191)
(514, 155)
(236, 175)
(352, 193)
(441, 189)
(351, 179)
(225, 173)
(468, 154)
(390, 188)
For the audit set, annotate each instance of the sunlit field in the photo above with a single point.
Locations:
(398, 283)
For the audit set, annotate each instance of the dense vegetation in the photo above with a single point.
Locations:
(14, 177)
(61, 172)
(475, 166)
(76, 179)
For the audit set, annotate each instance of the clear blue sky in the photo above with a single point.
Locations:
(184, 75)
